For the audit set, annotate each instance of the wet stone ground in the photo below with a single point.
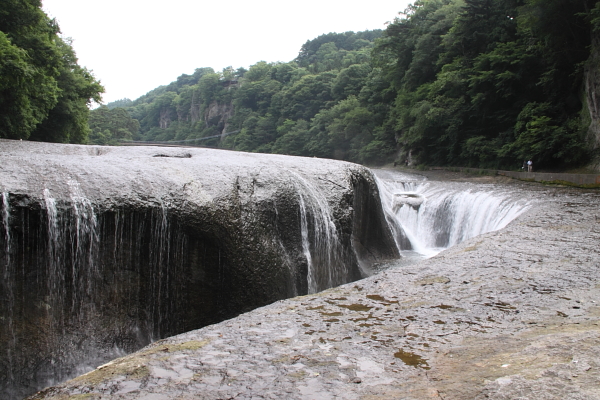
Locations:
(513, 314)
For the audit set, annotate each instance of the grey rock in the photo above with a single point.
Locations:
(511, 314)
(105, 249)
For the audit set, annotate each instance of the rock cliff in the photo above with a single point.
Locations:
(511, 314)
(592, 90)
(105, 249)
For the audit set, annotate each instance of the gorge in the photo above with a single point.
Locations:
(105, 250)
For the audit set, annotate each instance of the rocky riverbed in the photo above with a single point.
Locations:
(512, 314)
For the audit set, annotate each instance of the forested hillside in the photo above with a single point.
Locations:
(285, 108)
(484, 83)
(44, 93)
(491, 82)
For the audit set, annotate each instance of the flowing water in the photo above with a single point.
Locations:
(433, 216)
(320, 241)
(87, 273)
(7, 276)
(130, 265)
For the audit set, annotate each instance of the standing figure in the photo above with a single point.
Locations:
(529, 166)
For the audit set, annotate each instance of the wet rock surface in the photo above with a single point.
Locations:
(512, 314)
(106, 249)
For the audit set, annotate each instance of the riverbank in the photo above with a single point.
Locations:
(589, 181)
(508, 314)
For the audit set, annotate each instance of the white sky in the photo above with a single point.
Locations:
(133, 46)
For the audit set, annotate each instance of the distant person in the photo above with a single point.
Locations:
(529, 166)
(524, 167)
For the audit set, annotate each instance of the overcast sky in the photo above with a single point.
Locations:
(133, 46)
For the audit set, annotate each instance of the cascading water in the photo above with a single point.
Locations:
(7, 277)
(129, 270)
(320, 242)
(103, 250)
(310, 279)
(436, 215)
(146, 270)
(61, 281)
(84, 239)
(5, 218)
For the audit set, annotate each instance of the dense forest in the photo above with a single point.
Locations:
(482, 83)
(44, 94)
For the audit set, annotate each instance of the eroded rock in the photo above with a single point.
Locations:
(509, 314)
(105, 249)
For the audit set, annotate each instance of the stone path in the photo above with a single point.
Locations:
(513, 314)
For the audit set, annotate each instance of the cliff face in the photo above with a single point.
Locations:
(511, 314)
(106, 249)
(218, 115)
(592, 89)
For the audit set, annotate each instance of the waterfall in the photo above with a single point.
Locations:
(102, 252)
(310, 278)
(55, 280)
(7, 278)
(320, 242)
(436, 215)
(84, 242)
(5, 221)
(160, 263)
(72, 246)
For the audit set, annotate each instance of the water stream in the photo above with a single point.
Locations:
(320, 241)
(69, 265)
(7, 276)
(434, 216)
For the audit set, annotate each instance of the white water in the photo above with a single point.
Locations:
(306, 247)
(5, 220)
(7, 276)
(85, 233)
(320, 241)
(160, 259)
(55, 243)
(436, 215)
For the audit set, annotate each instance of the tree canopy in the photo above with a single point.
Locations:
(496, 81)
(482, 83)
(44, 93)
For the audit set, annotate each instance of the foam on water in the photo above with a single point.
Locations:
(320, 240)
(436, 215)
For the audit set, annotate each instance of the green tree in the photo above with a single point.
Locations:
(124, 102)
(43, 92)
(306, 97)
(27, 93)
(258, 134)
(293, 137)
(543, 135)
(67, 121)
(350, 81)
(29, 62)
(484, 82)
(109, 126)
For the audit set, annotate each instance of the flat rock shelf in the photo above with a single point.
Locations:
(509, 314)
